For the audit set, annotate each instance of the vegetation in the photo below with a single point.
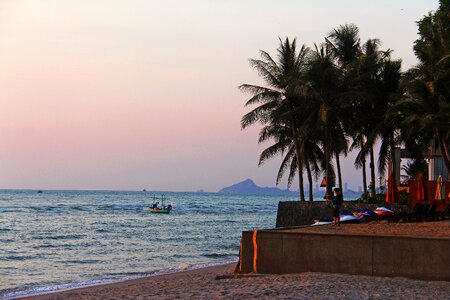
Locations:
(318, 104)
(380, 199)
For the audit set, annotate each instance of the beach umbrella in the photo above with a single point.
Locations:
(392, 192)
(440, 192)
(421, 193)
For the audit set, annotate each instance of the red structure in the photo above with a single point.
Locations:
(392, 191)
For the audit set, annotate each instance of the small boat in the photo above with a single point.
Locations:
(156, 208)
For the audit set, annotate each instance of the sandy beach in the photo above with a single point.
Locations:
(219, 283)
(424, 229)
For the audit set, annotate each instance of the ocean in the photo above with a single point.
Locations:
(63, 239)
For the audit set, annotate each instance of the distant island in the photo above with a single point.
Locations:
(249, 187)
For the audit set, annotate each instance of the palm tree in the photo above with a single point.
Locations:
(367, 72)
(427, 103)
(324, 78)
(414, 167)
(278, 108)
(344, 44)
(310, 135)
(387, 130)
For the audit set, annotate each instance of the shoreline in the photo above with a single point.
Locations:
(217, 282)
(126, 282)
(106, 282)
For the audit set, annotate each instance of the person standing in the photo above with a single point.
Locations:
(338, 199)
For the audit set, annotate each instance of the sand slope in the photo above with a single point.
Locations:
(202, 284)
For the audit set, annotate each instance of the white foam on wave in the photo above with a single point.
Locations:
(70, 286)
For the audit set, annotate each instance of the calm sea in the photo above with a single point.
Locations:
(63, 239)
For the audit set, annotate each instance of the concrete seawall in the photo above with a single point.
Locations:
(297, 213)
(285, 251)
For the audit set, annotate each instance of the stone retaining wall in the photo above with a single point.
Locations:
(297, 213)
(281, 252)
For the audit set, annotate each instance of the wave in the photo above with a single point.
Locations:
(218, 255)
(79, 261)
(48, 209)
(80, 208)
(20, 257)
(122, 207)
(59, 237)
(10, 210)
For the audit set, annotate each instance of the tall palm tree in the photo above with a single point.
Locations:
(367, 73)
(344, 43)
(278, 106)
(310, 135)
(324, 78)
(387, 130)
(427, 103)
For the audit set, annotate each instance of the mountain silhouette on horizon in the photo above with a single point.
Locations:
(249, 187)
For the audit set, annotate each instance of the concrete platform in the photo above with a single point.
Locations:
(297, 250)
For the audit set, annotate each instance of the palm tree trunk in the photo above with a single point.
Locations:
(338, 166)
(327, 146)
(372, 171)
(444, 150)
(393, 161)
(300, 182)
(300, 174)
(308, 172)
(363, 166)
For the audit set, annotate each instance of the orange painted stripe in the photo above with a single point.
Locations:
(240, 257)
(255, 252)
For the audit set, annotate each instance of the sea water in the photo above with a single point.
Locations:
(63, 239)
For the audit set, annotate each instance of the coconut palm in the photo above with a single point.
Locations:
(310, 137)
(344, 43)
(427, 102)
(365, 88)
(387, 130)
(278, 107)
(325, 80)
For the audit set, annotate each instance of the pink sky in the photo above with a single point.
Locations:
(143, 94)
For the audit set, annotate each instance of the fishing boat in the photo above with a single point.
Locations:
(161, 209)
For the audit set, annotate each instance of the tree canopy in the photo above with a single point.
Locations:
(318, 104)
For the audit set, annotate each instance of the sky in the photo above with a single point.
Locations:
(127, 95)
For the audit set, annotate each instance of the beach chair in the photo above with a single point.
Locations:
(420, 212)
(431, 215)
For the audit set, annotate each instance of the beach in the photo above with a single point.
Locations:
(424, 229)
(219, 283)
(76, 238)
(88, 228)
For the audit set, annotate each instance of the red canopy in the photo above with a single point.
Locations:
(392, 192)
(421, 192)
(440, 192)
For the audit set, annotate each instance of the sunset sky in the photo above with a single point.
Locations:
(127, 95)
